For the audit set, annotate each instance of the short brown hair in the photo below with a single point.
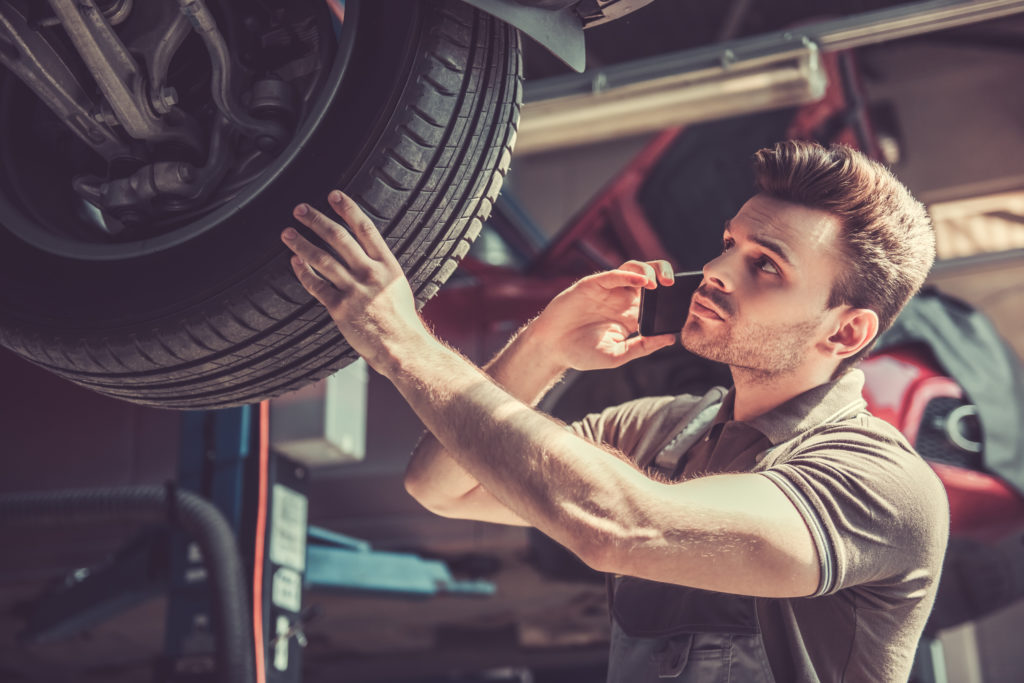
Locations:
(887, 234)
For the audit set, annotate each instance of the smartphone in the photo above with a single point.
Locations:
(663, 310)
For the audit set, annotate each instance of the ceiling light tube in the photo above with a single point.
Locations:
(730, 87)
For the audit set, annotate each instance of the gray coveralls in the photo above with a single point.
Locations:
(666, 631)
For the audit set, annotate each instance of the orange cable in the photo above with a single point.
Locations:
(261, 525)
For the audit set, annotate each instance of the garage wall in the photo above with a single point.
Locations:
(960, 110)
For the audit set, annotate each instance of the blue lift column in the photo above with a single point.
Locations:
(263, 496)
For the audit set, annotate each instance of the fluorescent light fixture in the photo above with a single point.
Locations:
(740, 77)
(728, 86)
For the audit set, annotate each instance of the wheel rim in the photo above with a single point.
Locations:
(73, 230)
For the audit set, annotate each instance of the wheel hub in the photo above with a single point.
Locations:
(201, 106)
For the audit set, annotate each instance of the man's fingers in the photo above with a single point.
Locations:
(313, 256)
(363, 228)
(637, 347)
(612, 279)
(321, 290)
(666, 273)
(336, 236)
(643, 269)
(657, 272)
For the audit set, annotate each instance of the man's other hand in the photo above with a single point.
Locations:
(591, 325)
(361, 283)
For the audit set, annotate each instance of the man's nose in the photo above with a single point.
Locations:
(716, 272)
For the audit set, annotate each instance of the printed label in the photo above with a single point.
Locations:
(286, 589)
(288, 528)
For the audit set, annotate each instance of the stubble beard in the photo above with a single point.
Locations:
(760, 351)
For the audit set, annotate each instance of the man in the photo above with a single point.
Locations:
(777, 531)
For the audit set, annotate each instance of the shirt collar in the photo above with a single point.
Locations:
(814, 407)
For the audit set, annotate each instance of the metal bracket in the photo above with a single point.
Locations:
(597, 12)
(560, 31)
(116, 73)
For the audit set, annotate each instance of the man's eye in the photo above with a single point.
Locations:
(765, 264)
(727, 244)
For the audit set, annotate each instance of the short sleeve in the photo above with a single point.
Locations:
(877, 512)
(632, 426)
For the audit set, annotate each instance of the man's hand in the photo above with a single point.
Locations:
(588, 326)
(363, 287)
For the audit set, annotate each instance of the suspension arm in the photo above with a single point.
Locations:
(116, 72)
(33, 60)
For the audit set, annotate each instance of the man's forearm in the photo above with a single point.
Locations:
(466, 409)
(522, 369)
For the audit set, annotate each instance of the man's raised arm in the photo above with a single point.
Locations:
(526, 369)
(586, 327)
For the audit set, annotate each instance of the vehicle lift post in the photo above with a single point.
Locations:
(225, 457)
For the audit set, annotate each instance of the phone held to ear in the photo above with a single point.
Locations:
(663, 310)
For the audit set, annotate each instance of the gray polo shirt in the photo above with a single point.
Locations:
(877, 513)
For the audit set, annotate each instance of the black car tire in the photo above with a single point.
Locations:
(420, 135)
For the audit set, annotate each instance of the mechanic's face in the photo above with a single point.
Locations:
(762, 304)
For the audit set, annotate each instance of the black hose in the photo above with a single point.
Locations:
(196, 516)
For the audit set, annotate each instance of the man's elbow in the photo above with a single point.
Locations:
(430, 497)
(420, 490)
(601, 551)
(600, 559)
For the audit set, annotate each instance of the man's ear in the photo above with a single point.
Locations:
(855, 329)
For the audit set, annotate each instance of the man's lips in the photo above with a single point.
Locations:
(704, 309)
